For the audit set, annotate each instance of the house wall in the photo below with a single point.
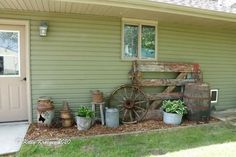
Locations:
(82, 53)
(215, 51)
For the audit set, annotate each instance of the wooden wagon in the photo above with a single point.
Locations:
(131, 100)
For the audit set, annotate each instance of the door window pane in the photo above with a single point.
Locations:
(9, 53)
(1, 65)
(148, 42)
(130, 41)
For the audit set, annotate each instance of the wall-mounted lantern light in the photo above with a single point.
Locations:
(43, 28)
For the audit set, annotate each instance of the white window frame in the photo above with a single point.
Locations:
(217, 95)
(19, 53)
(139, 23)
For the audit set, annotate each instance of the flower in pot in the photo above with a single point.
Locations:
(173, 111)
(84, 118)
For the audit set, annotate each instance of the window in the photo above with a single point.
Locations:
(1, 65)
(214, 95)
(9, 53)
(139, 39)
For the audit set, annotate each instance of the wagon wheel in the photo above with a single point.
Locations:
(131, 102)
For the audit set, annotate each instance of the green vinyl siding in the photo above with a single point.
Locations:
(82, 53)
(79, 54)
(213, 49)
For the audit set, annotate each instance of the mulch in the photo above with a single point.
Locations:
(36, 132)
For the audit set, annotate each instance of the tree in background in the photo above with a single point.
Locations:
(9, 40)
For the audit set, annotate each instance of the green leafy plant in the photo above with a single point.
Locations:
(174, 106)
(85, 112)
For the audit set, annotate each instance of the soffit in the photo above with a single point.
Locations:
(113, 8)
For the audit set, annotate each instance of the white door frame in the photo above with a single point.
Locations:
(26, 24)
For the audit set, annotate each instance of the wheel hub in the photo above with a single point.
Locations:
(128, 104)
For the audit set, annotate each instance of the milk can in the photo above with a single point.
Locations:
(45, 111)
(112, 117)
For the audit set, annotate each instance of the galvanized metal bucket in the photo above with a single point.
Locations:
(172, 118)
(83, 123)
(112, 117)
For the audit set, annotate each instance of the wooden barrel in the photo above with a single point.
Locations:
(197, 99)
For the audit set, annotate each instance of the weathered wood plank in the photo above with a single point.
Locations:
(164, 96)
(168, 67)
(164, 82)
(171, 88)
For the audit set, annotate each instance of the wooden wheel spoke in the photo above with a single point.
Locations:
(138, 94)
(136, 114)
(125, 93)
(120, 101)
(132, 92)
(120, 105)
(125, 114)
(140, 102)
(140, 108)
(122, 109)
(130, 115)
(121, 96)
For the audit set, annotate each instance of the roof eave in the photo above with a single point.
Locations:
(162, 7)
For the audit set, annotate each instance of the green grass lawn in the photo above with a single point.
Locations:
(137, 145)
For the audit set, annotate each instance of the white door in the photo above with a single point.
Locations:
(13, 100)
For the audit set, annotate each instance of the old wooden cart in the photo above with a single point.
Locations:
(131, 100)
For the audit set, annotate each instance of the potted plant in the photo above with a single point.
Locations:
(84, 118)
(173, 111)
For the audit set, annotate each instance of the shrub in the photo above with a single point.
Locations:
(85, 112)
(174, 106)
